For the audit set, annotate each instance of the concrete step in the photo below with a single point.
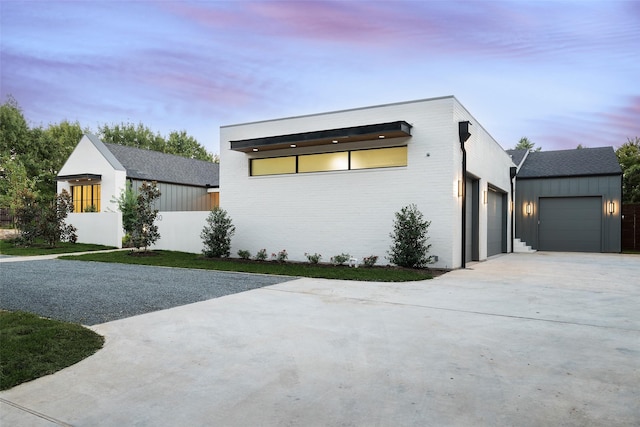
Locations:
(521, 247)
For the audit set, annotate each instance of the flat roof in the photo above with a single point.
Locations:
(378, 131)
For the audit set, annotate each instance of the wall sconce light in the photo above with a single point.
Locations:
(485, 196)
(459, 188)
(528, 208)
(612, 208)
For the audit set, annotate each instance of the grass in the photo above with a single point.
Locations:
(33, 347)
(8, 247)
(189, 260)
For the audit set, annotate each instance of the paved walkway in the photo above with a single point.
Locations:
(523, 339)
(10, 258)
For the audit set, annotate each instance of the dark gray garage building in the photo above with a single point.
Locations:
(569, 200)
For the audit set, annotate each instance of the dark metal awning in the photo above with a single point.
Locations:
(378, 131)
(79, 177)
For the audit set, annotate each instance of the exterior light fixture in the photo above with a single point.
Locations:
(612, 207)
(335, 141)
(381, 136)
(293, 146)
(528, 208)
(459, 188)
(255, 149)
(485, 197)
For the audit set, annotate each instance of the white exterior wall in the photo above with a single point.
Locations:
(180, 231)
(101, 228)
(487, 160)
(86, 158)
(353, 211)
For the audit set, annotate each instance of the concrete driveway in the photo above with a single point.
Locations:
(520, 340)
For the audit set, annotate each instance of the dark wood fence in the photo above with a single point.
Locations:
(631, 227)
(6, 219)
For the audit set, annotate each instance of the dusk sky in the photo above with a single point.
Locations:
(559, 73)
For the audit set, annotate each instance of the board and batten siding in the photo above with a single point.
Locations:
(352, 211)
(530, 190)
(175, 197)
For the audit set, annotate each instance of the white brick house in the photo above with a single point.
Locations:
(331, 182)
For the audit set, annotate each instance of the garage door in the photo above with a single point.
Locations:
(571, 224)
(495, 223)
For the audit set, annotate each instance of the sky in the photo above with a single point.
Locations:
(560, 73)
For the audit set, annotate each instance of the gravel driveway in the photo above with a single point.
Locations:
(91, 293)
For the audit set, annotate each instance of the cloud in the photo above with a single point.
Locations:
(610, 127)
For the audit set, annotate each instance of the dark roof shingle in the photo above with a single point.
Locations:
(156, 166)
(578, 162)
(517, 156)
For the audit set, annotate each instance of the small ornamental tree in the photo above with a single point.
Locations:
(409, 247)
(53, 228)
(45, 219)
(27, 217)
(216, 234)
(145, 232)
(127, 203)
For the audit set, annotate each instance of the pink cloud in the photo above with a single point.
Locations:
(591, 129)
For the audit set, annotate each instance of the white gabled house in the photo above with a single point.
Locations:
(96, 173)
(330, 183)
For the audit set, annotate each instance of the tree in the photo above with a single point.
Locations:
(217, 234)
(629, 158)
(39, 218)
(525, 144)
(409, 247)
(14, 132)
(41, 151)
(27, 217)
(127, 203)
(145, 231)
(181, 144)
(14, 183)
(53, 228)
(140, 136)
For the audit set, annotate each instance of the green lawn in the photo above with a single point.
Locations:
(8, 247)
(189, 260)
(33, 347)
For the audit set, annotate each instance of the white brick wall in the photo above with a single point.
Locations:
(353, 211)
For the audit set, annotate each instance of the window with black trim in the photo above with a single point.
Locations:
(86, 198)
(327, 162)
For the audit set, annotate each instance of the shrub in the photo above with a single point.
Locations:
(217, 234)
(244, 254)
(27, 218)
(370, 261)
(340, 259)
(45, 219)
(261, 255)
(409, 247)
(52, 221)
(313, 258)
(127, 203)
(145, 231)
(281, 256)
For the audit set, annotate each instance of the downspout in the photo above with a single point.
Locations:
(512, 174)
(463, 133)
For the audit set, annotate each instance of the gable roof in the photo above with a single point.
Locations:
(517, 155)
(156, 166)
(577, 162)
